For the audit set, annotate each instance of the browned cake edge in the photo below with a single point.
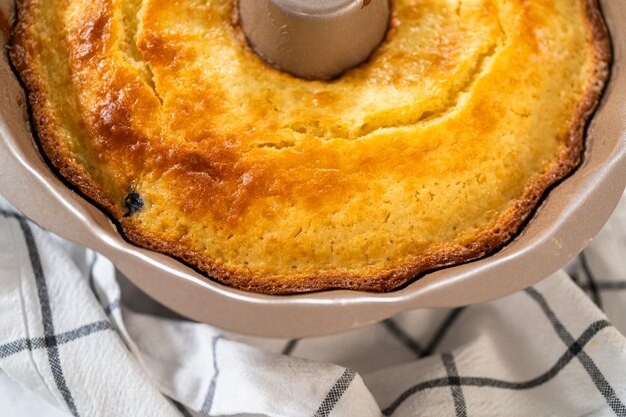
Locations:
(386, 280)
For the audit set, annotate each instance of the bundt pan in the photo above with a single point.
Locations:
(568, 218)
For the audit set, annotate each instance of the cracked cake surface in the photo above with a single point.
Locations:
(432, 153)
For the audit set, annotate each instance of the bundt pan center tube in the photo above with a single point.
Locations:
(314, 39)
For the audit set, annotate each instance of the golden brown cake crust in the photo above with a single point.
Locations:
(113, 133)
(5, 26)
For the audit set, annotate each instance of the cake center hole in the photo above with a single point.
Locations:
(314, 39)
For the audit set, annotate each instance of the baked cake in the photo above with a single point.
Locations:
(432, 153)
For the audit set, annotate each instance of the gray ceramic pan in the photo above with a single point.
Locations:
(567, 220)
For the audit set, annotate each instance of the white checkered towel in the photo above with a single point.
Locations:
(546, 351)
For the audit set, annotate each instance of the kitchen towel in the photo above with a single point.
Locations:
(556, 349)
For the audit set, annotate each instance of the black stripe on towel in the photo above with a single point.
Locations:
(573, 351)
(335, 393)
